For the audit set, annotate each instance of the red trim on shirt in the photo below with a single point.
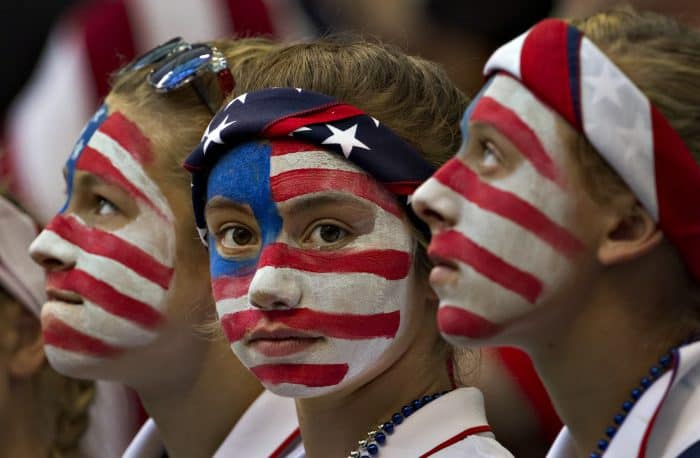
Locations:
(457, 438)
(645, 439)
(285, 444)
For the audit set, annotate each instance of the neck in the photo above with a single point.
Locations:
(23, 432)
(587, 381)
(204, 403)
(331, 425)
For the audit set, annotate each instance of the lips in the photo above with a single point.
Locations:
(60, 295)
(280, 341)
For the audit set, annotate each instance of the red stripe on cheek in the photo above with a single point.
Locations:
(105, 296)
(461, 179)
(60, 335)
(459, 322)
(230, 287)
(454, 245)
(92, 161)
(294, 183)
(103, 243)
(129, 136)
(523, 137)
(389, 264)
(339, 325)
(311, 375)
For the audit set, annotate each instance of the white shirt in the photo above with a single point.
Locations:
(664, 422)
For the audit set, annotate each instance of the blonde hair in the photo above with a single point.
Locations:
(662, 57)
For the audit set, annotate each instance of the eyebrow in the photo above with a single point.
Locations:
(310, 201)
(222, 203)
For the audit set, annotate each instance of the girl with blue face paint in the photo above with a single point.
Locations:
(318, 268)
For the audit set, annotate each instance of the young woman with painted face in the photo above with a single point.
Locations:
(126, 275)
(318, 272)
(567, 225)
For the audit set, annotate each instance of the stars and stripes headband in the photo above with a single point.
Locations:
(572, 76)
(309, 116)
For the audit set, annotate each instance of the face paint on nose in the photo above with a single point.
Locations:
(324, 317)
(120, 278)
(512, 240)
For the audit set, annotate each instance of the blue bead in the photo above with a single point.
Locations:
(380, 438)
(610, 431)
(594, 455)
(406, 410)
(388, 427)
(426, 399)
(416, 404)
(654, 371)
(397, 418)
(373, 449)
(636, 393)
(645, 382)
(665, 360)
(602, 444)
(618, 419)
(627, 406)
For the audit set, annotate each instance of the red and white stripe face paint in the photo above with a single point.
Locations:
(505, 237)
(311, 265)
(107, 287)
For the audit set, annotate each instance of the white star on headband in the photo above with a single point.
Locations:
(345, 138)
(606, 85)
(240, 98)
(214, 136)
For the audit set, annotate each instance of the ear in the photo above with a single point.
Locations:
(28, 355)
(632, 234)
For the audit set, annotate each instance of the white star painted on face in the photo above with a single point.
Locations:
(240, 98)
(301, 129)
(214, 136)
(607, 85)
(345, 138)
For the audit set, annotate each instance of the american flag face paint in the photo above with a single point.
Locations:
(311, 263)
(505, 241)
(110, 292)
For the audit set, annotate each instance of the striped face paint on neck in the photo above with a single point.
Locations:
(311, 266)
(502, 217)
(109, 269)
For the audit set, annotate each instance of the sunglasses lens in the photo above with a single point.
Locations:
(180, 70)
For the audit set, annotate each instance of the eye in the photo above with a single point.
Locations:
(105, 207)
(326, 233)
(490, 158)
(236, 237)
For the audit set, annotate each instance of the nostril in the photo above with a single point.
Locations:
(52, 264)
(431, 215)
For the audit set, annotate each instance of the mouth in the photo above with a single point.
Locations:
(444, 271)
(67, 297)
(281, 341)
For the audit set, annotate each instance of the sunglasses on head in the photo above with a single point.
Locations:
(179, 63)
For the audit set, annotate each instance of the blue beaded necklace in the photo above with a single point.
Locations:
(370, 445)
(656, 371)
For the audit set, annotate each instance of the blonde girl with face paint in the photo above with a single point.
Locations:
(568, 225)
(127, 281)
(42, 413)
(300, 187)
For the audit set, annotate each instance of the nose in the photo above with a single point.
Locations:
(52, 252)
(274, 288)
(435, 205)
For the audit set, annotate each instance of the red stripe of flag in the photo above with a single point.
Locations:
(461, 179)
(230, 287)
(454, 245)
(519, 133)
(249, 17)
(103, 243)
(58, 334)
(129, 136)
(456, 321)
(388, 264)
(299, 182)
(312, 375)
(104, 296)
(283, 146)
(94, 162)
(317, 115)
(338, 325)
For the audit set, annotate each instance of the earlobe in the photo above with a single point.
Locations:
(630, 236)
